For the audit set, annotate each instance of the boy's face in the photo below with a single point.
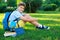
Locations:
(21, 8)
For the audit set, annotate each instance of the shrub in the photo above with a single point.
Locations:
(3, 7)
(32, 5)
(10, 9)
(50, 7)
(58, 9)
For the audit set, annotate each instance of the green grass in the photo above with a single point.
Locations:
(31, 33)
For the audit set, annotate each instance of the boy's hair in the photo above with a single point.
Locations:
(22, 4)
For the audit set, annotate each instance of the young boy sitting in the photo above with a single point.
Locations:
(18, 13)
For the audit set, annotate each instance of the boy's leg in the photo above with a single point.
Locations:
(21, 23)
(35, 22)
(40, 26)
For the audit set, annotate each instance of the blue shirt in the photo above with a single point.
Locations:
(15, 14)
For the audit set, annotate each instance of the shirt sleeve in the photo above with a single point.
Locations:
(17, 14)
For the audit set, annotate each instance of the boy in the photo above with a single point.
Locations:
(18, 13)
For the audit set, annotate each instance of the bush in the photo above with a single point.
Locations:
(11, 3)
(10, 9)
(3, 7)
(58, 9)
(50, 7)
(32, 5)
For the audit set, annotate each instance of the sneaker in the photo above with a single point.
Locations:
(6, 34)
(43, 27)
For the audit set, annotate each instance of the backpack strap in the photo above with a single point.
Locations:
(13, 20)
(9, 16)
(17, 21)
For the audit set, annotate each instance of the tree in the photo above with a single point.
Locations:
(11, 3)
(32, 5)
(3, 6)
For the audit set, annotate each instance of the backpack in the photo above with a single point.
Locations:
(5, 20)
(6, 24)
(18, 30)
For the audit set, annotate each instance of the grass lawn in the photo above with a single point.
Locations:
(31, 33)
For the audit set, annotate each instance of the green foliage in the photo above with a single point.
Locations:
(10, 9)
(11, 3)
(32, 5)
(50, 7)
(58, 9)
(57, 2)
(47, 5)
(3, 7)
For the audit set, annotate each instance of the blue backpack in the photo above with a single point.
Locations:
(6, 26)
(5, 20)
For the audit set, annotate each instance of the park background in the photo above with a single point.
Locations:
(46, 11)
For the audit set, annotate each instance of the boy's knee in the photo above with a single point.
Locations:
(34, 19)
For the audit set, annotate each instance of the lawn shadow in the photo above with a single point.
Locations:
(1, 34)
(48, 22)
(46, 16)
(0, 23)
